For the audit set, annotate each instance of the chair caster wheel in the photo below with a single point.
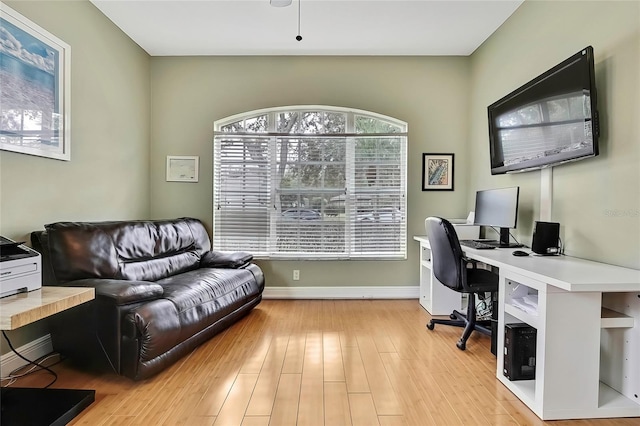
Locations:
(431, 325)
(461, 345)
(452, 316)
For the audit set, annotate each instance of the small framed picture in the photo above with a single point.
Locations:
(437, 172)
(182, 168)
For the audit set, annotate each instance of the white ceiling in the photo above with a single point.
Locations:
(328, 27)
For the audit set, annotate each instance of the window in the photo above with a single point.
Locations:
(312, 183)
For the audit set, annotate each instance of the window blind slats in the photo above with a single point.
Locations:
(316, 196)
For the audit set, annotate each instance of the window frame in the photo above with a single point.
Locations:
(272, 136)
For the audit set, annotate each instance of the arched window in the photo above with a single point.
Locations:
(312, 182)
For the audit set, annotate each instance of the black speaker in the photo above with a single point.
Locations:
(546, 237)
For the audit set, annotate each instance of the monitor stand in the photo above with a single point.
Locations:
(504, 240)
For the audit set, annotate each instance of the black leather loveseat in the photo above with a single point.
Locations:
(160, 291)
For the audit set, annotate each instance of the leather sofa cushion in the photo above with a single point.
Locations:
(191, 302)
(195, 288)
(132, 250)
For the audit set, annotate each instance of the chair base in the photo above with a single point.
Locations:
(468, 322)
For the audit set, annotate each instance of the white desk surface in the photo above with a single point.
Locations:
(565, 272)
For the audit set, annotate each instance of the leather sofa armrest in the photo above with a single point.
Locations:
(121, 292)
(225, 259)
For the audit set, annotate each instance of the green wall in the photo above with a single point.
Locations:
(108, 175)
(129, 111)
(430, 93)
(596, 201)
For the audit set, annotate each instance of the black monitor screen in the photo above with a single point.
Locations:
(497, 207)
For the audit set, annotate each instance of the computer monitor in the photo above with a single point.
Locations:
(498, 208)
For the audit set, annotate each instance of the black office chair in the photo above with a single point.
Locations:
(459, 273)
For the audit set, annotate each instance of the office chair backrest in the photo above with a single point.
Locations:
(446, 253)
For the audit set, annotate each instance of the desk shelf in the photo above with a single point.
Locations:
(525, 390)
(612, 319)
(522, 316)
(514, 294)
(611, 399)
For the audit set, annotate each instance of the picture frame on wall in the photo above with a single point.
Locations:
(35, 89)
(437, 172)
(182, 168)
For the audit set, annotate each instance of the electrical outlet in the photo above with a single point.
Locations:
(296, 274)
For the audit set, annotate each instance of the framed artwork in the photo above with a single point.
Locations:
(437, 172)
(35, 89)
(182, 168)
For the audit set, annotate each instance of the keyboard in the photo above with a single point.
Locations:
(476, 244)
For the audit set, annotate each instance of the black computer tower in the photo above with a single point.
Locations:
(519, 352)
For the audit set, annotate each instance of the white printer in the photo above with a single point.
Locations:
(20, 268)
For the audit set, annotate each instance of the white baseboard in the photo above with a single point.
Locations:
(390, 292)
(32, 350)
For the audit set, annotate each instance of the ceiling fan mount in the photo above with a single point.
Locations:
(280, 3)
(284, 3)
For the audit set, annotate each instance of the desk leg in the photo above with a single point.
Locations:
(568, 367)
(500, 328)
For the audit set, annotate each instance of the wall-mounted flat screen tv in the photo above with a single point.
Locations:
(550, 120)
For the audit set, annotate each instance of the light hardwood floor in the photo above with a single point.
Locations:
(326, 362)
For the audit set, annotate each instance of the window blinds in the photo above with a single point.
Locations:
(310, 194)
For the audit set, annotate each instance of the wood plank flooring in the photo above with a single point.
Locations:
(316, 362)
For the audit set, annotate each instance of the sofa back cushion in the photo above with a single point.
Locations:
(127, 250)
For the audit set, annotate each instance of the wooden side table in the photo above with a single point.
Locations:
(24, 308)
(34, 406)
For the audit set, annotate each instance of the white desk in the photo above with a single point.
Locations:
(587, 357)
